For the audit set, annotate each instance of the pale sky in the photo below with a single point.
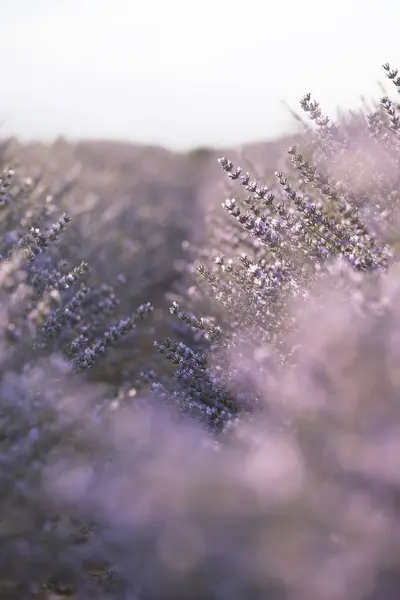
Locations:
(181, 73)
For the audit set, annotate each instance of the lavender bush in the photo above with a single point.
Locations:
(266, 465)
